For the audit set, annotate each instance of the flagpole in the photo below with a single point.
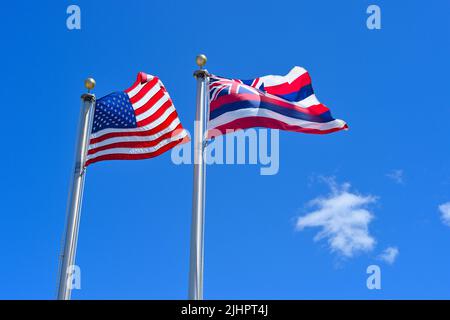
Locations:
(198, 196)
(76, 193)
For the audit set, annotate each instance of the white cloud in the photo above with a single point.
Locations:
(445, 213)
(389, 255)
(344, 219)
(396, 175)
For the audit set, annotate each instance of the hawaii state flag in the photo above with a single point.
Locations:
(277, 102)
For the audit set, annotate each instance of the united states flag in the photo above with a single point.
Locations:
(279, 102)
(138, 123)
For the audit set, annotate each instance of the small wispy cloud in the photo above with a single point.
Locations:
(389, 255)
(396, 175)
(344, 219)
(445, 213)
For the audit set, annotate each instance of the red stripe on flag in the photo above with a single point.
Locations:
(166, 105)
(286, 88)
(136, 83)
(230, 98)
(120, 156)
(150, 103)
(146, 88)
(150, 132)
(138, 144)
(252, 122)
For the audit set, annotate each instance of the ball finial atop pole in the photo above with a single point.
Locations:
(201, 60)
(89, 83)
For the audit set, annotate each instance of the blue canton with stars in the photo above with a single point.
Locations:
(114, 111)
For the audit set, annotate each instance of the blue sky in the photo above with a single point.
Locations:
(390, 85)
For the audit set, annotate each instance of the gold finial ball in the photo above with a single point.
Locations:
(89, 83)
(201, 60)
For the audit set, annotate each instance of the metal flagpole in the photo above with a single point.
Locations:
(198, 196)
(76, 192)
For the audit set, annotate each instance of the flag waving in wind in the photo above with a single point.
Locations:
(278, 102)
(138, 123)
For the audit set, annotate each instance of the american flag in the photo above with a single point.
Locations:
(138, 123)
(278, 102)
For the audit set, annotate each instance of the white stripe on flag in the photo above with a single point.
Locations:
(150, 126)
(273, 80)
(307, 102)
(152, 137)
(259, 112)
(153, 149)
(146, 97)
(138, 88)
(153, 109)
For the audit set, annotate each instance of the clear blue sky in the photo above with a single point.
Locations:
(390, 85)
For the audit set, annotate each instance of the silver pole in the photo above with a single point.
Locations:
(198, 196)
(76, 193)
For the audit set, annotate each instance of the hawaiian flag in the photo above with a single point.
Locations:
(138, 123)
(277, 102)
